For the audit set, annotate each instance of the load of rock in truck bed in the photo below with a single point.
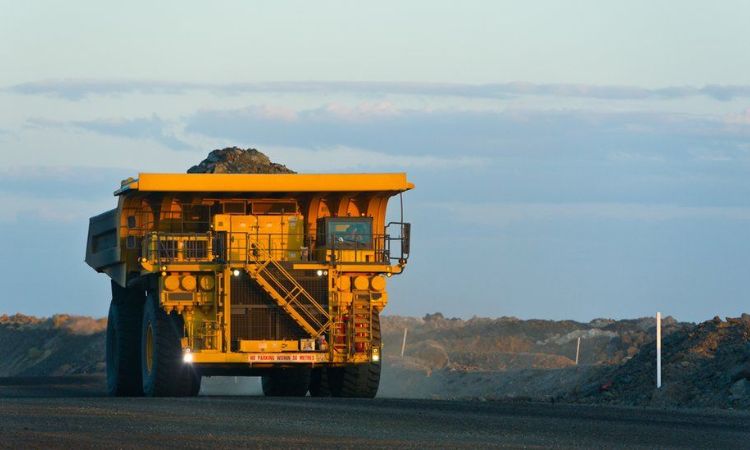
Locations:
(238, 160)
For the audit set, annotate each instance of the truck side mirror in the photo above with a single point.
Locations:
(405, 238)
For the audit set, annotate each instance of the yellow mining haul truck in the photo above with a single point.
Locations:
(278, 276)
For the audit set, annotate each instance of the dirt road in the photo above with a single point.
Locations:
(60, 413)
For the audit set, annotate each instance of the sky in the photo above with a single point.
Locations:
(572, 160)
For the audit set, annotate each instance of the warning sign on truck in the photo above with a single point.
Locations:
(288, 357)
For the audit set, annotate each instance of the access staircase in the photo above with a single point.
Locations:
(286, 291)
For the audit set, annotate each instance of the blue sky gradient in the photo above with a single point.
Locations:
(572, 160)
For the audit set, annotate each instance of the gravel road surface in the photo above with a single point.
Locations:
(72, 413)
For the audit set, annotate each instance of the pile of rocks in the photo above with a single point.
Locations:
(58, 345)
(705, 365)
(436, 342)
(238, 160)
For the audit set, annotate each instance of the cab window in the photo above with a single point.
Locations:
(346, 232)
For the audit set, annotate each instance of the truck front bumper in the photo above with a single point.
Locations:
(253, 358)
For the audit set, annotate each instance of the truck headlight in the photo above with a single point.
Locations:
(187, 357)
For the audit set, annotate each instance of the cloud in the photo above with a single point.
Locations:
(57, 182)
(7, 135)
(63, 194)
(503, 214)
(346, 158)
(635, 156)
(480, 133)
(77, 89)
(151, 128)
(68, 210)
(514, 155)
(743, 118)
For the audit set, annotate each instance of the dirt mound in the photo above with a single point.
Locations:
(706, 365)
(238, 160)
(507, 343)
(59, 345)
(74, 324)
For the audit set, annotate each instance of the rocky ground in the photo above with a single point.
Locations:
(483, 344)
(55, 346)
(703, 365)
(706, 365)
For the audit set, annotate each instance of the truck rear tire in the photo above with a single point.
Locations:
(357, 380)
(124, 342)
(163, 371)
(293, 382)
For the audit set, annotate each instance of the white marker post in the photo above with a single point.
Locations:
(403, 344)
(578, 349)
(658, 350)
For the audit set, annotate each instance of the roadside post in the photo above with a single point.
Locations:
(658, 350)
(403, 343)
(578, 349)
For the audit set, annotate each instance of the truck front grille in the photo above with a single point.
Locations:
(256, 316)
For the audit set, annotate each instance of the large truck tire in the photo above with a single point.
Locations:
(124, 342)
(163, 371)
(357, 380)
(319, 386)
(292, 382)
(190, 383)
